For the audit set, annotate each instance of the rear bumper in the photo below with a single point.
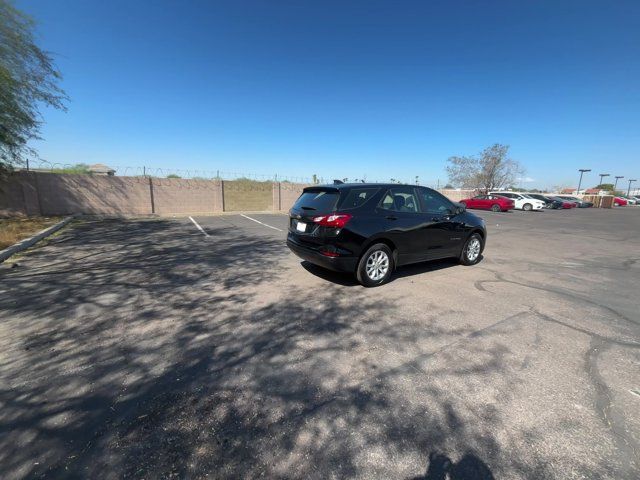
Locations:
(337, 264)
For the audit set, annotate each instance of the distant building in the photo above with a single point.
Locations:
(567, 191)
(592, 191)
(101, 169)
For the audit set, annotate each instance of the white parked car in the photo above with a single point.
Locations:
(522, 200)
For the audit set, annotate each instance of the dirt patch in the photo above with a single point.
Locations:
(13, 230)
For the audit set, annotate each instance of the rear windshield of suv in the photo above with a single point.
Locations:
(319, 200)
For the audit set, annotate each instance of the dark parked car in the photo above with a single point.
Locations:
(549, 202)
(566, 204)
(578, 201)
(371, 229)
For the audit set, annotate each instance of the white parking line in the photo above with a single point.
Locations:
(258, 221)
(199, 227)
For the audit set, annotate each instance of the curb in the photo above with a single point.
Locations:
(24, 244)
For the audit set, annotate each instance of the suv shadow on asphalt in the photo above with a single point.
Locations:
(470, 467)
(349, 280)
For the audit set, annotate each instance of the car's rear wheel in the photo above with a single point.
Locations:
(495, 208)
(527, 207)
(472, 249)
(375, 266)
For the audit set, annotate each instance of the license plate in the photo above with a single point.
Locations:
(301, 226)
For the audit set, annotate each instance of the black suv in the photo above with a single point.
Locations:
(370, 229)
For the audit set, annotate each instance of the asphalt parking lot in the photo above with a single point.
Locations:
(148, 348)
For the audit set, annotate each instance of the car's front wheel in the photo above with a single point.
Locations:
(375, 266)
(527, 207)
(472, 249)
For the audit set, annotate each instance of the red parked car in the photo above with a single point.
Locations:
(495, 203)
(619, 202)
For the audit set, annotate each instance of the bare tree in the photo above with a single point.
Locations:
(491, 170)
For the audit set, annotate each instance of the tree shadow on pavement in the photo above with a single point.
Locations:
(134, 348)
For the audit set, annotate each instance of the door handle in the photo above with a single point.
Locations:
(391, 217)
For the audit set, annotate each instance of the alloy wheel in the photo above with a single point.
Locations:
(473, 249)
(377, 265)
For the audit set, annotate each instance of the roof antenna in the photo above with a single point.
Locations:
(338, 182)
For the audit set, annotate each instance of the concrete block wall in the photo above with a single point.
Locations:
(174, 196)
(457, 195)
(39, 193)
(289, 193)
(67, 194)
(244, 196)
(19, 197)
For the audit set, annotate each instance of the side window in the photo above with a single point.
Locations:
(401, 199)
(356, 197)
(435, 202)
(481, 197)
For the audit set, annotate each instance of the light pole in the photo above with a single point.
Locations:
(616, 184)
(602, 175)
(582, 171)
(629, 189)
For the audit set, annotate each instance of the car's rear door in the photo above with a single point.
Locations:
(402, 219)
(482, 202)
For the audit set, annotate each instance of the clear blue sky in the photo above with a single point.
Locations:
(346, 89)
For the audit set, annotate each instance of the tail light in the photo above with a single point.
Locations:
(335, 220)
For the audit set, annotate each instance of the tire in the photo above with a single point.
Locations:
(615, 204)
(527, 207)
(495, 208)
(368, 273)
(472, 250)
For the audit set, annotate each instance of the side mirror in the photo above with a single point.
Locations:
(459, 208)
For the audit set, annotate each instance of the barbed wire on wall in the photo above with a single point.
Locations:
(200, 174)
(192, 176)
